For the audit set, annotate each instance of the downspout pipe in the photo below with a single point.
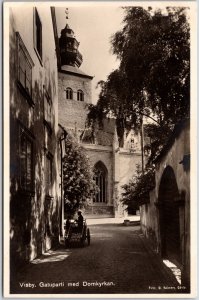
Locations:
(62, 138)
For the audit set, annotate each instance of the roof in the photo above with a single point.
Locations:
(67, 27)
(74, 71)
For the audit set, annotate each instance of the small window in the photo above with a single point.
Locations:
(37, 34)
(69, 94)
(80, 95)
(48, 174)
(25, 65)
(26, 161)
(47, 109)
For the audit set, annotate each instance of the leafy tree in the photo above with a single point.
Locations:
(112, 102)
(154, 75)
(77, 177)
(153, 80)
(155, 137)
(136, 192)
(154, 51)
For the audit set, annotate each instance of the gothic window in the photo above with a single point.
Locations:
(80, 95)
(26, 160)
(37, 34)
(25, 65)
(100, 178)
(69, 94)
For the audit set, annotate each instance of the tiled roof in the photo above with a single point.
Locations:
(75, 71)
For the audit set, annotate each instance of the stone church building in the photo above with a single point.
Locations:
(113, 165)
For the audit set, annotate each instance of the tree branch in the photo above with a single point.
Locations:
(148, 116)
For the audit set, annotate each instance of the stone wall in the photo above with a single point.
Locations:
(172, 157)
(76, 83)
(72, 113)
(149, 221)
(125, 163)
(34, 218)
(128, 163)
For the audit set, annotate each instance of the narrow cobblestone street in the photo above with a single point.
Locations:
(117, 261)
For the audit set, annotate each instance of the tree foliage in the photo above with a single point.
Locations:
(154, 51)
(155, 138)
(154, 74)
(153, 80)
(77, 177)
(136, 192)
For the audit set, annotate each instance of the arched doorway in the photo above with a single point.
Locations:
(100, 178)
(169, 217)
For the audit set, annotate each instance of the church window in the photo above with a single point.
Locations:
(80, 95)
(69, 94)
(25, 65)
(101, 182)
(37, 34)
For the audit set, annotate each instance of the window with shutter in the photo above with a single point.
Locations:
(37, 34)
(25, 65)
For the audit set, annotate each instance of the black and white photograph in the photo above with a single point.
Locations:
(99, 131)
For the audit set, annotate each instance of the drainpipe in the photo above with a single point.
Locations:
(62, 138)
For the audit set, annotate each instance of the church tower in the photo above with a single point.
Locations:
(74, 85)
(69, 52)
(74, 97)
(113, 165)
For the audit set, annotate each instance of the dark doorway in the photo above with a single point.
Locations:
(169, 217)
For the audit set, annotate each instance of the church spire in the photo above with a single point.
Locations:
(66, 12)
(68, 44)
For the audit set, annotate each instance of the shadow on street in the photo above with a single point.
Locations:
(118, 261)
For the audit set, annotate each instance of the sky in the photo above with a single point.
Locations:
(93, 27)
(93, 24)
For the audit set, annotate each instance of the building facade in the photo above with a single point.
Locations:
(34, 189)
(113, 166)
(165, 220)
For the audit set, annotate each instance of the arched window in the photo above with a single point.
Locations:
(80, 95)
(69, 93)
(101, 181)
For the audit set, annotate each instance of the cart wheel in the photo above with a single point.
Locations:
(88, 237)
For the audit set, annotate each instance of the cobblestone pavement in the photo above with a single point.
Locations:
(117, 261)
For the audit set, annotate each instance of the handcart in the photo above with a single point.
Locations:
(76, 235)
